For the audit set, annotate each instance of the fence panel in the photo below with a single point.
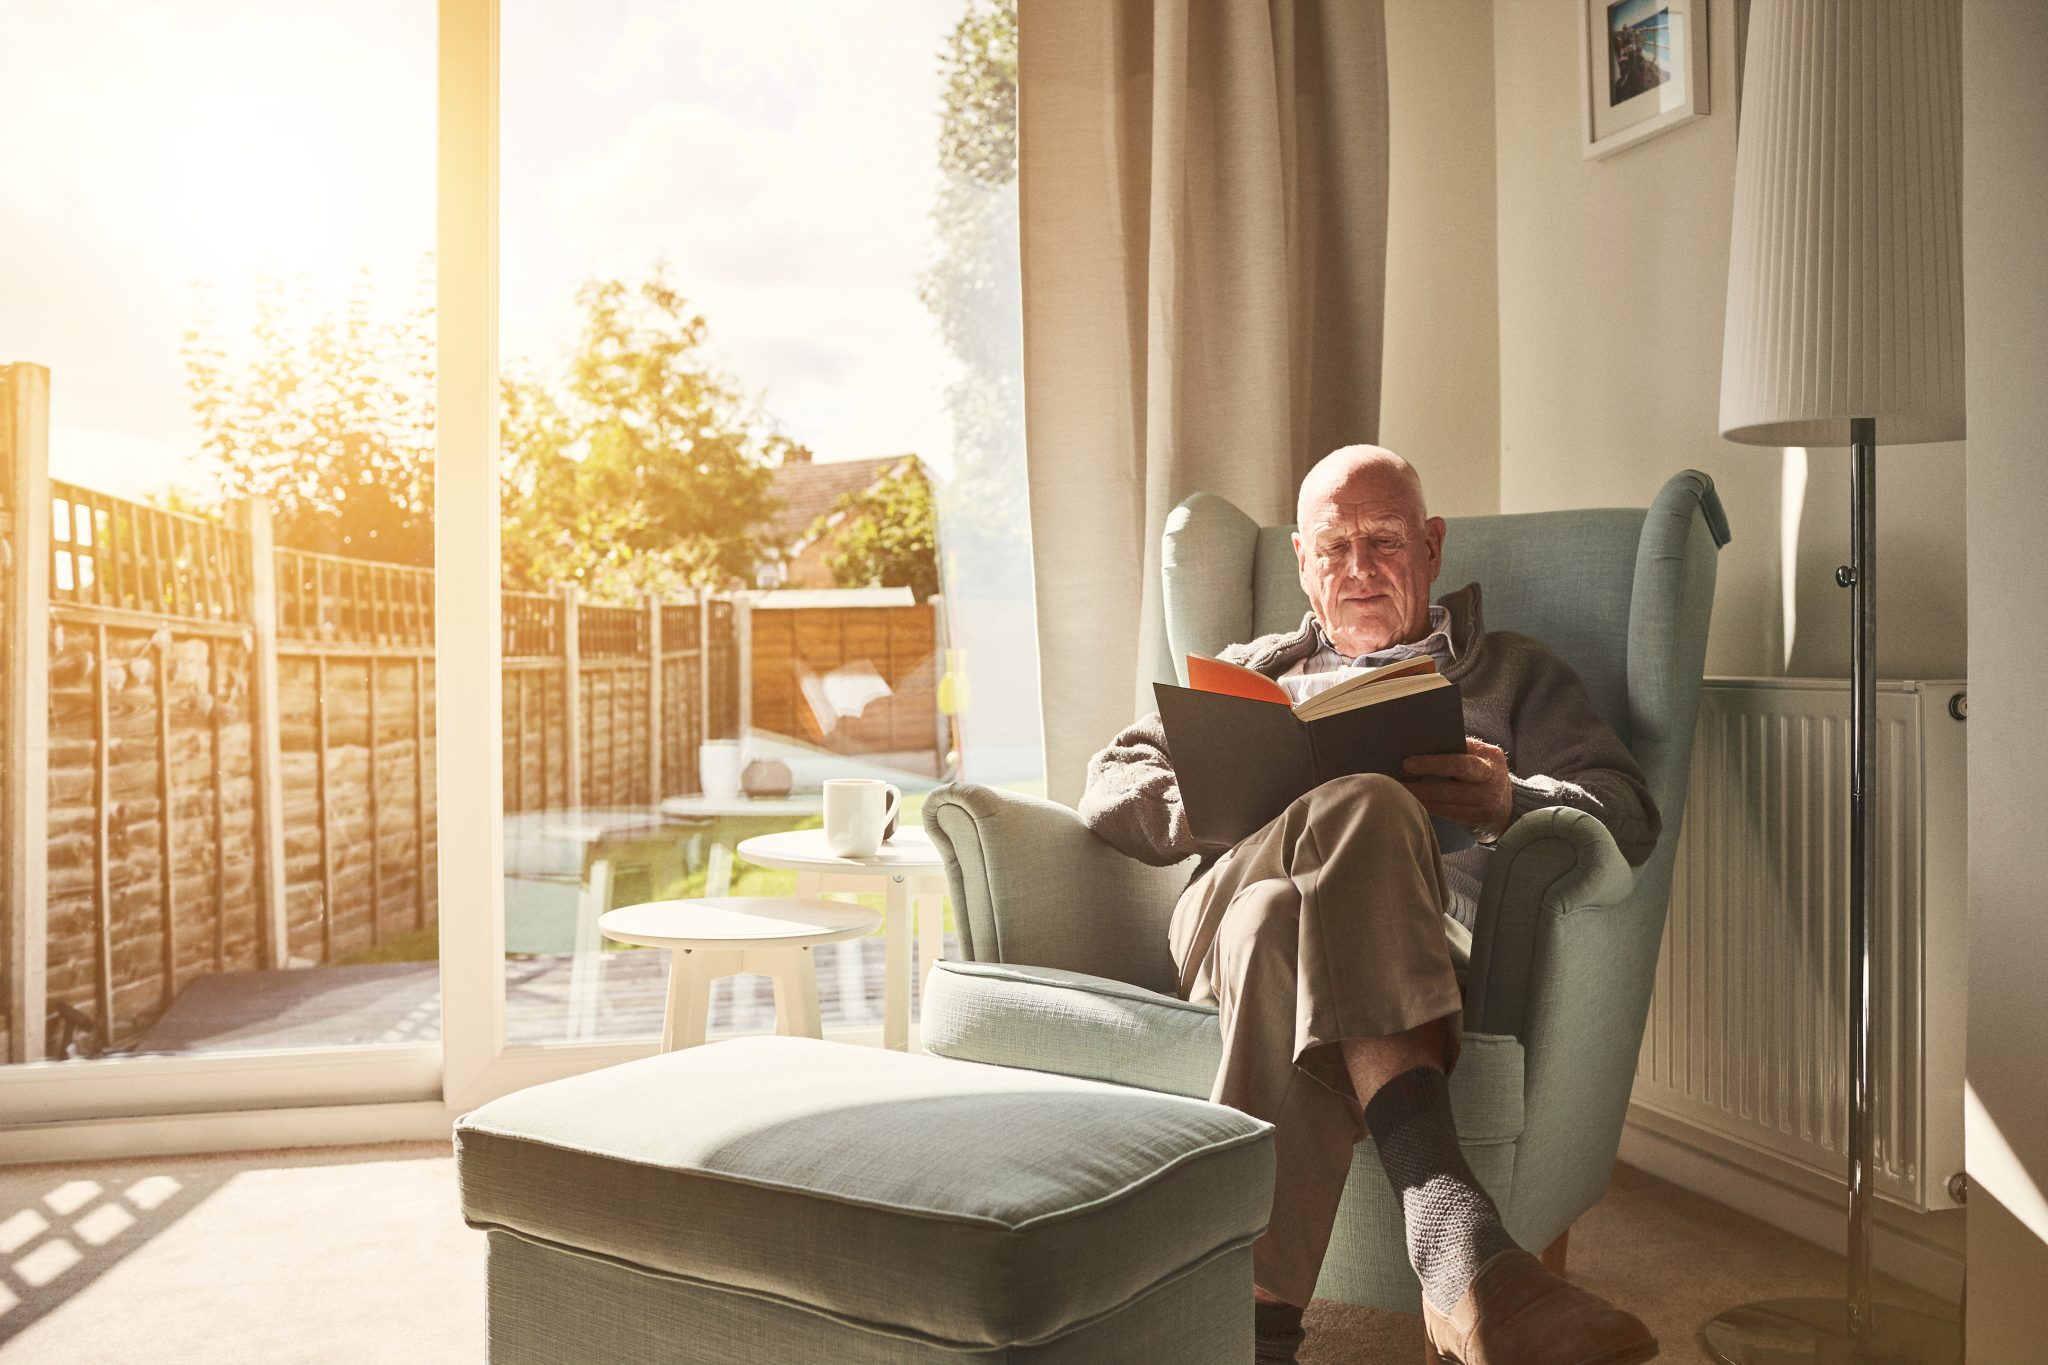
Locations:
(683, 684)
(151, 849)
(110, 552)
(616, 732)
(797, 654)
(327, 599)
(724, 711)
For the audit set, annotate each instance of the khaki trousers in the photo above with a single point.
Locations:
(1325, 925)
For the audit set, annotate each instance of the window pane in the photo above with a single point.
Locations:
(219, 217)
(763, 488)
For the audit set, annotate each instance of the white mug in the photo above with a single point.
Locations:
(858, 811)
(718, 768)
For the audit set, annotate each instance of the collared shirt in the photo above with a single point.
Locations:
(1328, 666)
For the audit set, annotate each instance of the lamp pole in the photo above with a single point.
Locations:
(1851, 1329)
(1844, 307)
(1862, 584)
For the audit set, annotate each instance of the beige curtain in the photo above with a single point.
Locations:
(1203, 214)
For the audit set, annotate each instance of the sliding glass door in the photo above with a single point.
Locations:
(216, 446)
(468, 466)
(760, 496)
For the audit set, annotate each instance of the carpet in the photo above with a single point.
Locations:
(358, 1256)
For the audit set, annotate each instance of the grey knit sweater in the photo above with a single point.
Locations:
(1517, 694)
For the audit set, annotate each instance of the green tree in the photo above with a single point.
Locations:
(329, 414)
(978, 138)
(639, 467)
(889, 536)
(972, 289)
(644, 468)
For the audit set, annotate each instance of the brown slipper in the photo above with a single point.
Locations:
(1517, 1312)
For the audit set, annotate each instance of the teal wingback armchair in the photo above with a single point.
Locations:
(1064, 963)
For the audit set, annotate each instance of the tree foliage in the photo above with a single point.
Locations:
(643, 468)
(972, 289)
(639, 466)
(978, 138)
(328, 414)
(889, 535)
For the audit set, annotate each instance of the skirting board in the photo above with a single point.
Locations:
(246, 1130)
(1924, 1250)
(249, 1130)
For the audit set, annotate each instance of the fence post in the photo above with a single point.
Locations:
(703, 731)
(572, 699)
(654, 714)
(25, 776)
(266, 743)
(743, 645)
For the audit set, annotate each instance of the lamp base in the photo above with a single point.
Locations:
(1816, 1332)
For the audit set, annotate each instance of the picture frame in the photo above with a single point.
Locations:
(1643, 69)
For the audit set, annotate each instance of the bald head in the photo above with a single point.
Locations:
(1360, 467)
(1367, 548)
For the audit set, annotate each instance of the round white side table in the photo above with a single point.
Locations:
(707, 939)
(906, 867)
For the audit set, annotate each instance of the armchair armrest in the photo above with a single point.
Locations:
(1552, 862)
(1031, 885)
(1563, 957)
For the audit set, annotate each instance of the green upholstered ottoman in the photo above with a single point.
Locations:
(783, 1199)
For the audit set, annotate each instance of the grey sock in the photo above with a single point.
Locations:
(1453, 1226)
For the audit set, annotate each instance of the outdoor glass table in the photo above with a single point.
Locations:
(722, 820)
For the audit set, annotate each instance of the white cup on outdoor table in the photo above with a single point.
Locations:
(858, 812)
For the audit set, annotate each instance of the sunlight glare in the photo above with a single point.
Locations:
(1791, 508)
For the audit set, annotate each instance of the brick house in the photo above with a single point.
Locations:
(799, 555)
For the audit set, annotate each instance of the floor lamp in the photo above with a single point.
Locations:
(1845, 326)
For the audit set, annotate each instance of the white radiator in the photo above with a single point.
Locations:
(1748, 1029)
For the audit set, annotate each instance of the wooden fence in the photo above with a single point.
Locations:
(812, 666)
(600, 675)
(239, 770)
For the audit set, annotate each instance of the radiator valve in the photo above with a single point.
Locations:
(1959, 705)
(1959, 1188)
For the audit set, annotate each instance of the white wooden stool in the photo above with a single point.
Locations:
(904, 867)
(707, 939)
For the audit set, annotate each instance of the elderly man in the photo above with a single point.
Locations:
(1327, 939)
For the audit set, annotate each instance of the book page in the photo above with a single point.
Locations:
(1394, 680)
(1331, 704)
(1213, 675)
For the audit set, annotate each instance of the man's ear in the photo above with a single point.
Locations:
(1435, 527)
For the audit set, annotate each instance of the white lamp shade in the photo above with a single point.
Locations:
(1845, 286)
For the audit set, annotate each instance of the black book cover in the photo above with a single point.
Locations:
(1240, 761)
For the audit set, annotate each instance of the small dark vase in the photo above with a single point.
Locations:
(766, 777)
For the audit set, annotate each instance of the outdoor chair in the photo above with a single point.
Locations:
(1064, 964)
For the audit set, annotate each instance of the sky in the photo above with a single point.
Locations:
(777, 155)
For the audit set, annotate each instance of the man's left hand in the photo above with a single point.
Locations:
(1470, 789)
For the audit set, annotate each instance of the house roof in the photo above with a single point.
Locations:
(809, 491)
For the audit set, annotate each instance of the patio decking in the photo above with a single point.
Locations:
(401, 1002)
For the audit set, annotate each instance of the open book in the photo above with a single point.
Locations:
(1242, 751)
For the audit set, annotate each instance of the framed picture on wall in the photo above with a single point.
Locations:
(1644, 69)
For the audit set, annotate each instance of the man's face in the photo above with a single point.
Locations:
(1368, 554)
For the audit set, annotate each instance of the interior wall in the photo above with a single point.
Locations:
(1612, 288)
(2005, 200)
(1440, 371)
